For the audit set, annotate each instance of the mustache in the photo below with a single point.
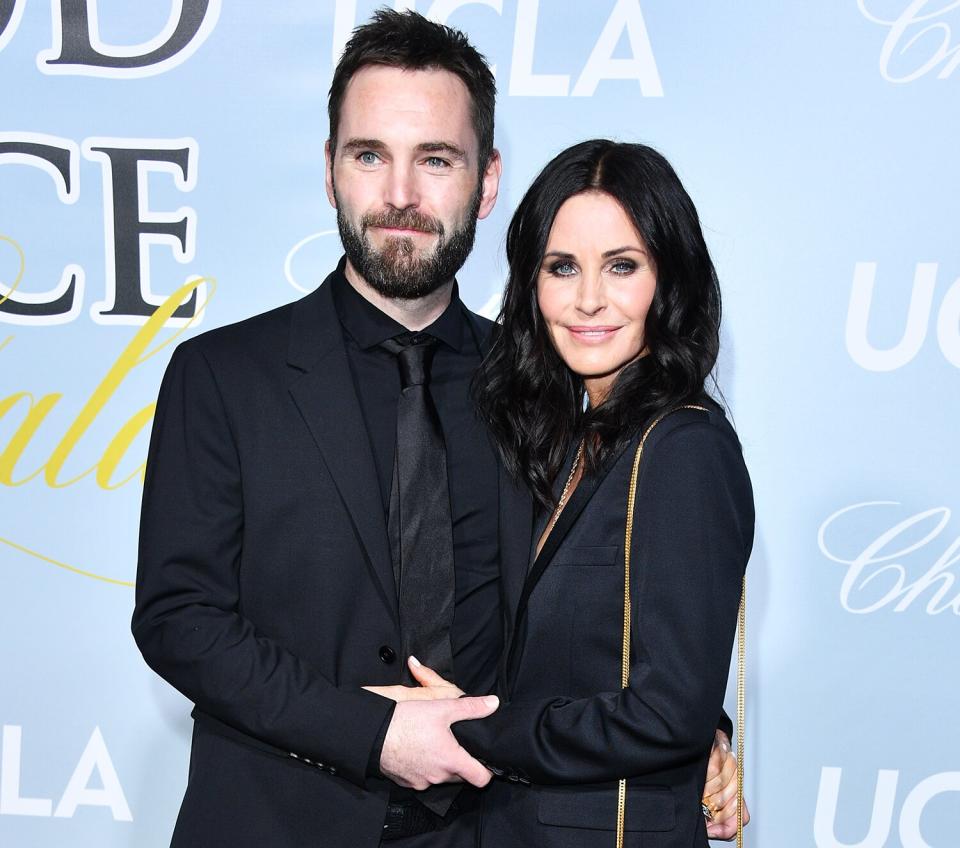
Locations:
(406, 219)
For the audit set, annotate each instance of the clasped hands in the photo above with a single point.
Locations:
(420, 750)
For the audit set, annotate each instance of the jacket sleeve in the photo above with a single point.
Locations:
(693, 532)
(188, 621)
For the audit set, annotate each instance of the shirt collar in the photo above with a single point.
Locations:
(369, 326)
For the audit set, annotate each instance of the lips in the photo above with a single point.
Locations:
(592, 333)
(403, 231)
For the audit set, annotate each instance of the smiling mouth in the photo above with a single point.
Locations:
(592, 333)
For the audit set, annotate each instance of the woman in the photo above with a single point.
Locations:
(611, 320)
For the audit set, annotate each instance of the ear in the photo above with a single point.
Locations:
(491, 184)
(328, 178)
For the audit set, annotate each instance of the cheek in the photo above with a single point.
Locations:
(550, 306)
(551, 300)
(452, 202)
(634, 301)
(358, 193)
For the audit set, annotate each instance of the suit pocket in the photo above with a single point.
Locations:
(649, 808)
(601, 555)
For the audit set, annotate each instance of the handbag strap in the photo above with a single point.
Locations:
(625, 646)
(741, 695)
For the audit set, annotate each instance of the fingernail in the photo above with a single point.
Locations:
(491, 701)
(414, 661)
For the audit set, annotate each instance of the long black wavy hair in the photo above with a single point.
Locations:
(531, 401)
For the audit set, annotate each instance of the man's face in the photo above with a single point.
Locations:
(404, 179)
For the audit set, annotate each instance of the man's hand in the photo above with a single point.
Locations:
(720, 791)
(419, 750)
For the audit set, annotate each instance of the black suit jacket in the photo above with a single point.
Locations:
(566, 727)
(265, 590)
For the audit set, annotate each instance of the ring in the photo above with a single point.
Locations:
(709, 809)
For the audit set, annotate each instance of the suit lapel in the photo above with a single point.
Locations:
(578, 500)
(571, 512)
(515, 507)
(326, 397)
(515, 518)
(516, 533)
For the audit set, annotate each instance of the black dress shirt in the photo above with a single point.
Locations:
(475, 635)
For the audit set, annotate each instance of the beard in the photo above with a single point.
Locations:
(400, 270)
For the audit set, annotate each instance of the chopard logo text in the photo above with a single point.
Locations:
(884, 572)
(919, 39)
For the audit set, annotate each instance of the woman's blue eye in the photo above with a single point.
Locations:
(562, 269)
(624, 266)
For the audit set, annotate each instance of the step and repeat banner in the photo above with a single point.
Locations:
(161, 173)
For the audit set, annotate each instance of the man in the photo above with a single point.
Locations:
(279, 514)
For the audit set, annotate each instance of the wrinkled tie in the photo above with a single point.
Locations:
(420, 527)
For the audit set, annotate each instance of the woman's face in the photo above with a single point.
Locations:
(595, 287)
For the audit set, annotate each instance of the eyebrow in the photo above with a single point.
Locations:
(442, 147)
(355, 144)
(627, 248)
(606, 254)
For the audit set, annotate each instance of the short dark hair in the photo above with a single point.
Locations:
(529, 398)
(409, 41)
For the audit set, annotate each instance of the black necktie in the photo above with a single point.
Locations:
(421, 530)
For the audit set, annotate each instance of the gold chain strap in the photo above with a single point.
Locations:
(625, 648)
(566, 491)
(741, 695)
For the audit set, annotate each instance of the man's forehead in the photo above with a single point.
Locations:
(381, 101)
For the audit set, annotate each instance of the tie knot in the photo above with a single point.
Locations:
(413, 352)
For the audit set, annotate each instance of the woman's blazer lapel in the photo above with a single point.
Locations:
(568, 517)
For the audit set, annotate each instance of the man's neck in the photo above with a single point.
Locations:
(414, 314)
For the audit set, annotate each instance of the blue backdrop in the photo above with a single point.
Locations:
(154, 149)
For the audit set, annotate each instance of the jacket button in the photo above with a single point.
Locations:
(387, 654)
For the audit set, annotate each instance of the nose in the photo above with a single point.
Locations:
(401, 189)
(591, 297)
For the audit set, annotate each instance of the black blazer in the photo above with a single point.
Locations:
(566, 728)
(265, 591)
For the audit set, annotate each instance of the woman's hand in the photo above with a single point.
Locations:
(720, 791)
(432, 686)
